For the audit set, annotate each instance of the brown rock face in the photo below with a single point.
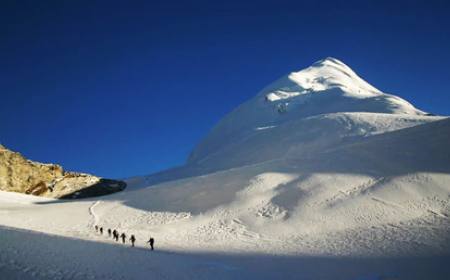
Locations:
(17, 174)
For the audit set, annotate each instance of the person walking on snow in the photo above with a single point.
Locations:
(116, 235)
(101, 230)
(96, 228)
(132, 239)
(123, 236)
(151, 241)
(109, 232)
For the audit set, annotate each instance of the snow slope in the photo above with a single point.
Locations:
(346, 182)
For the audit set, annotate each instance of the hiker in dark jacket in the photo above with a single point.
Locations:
(123, 236)
(151, 241)
(116, 235)
(101, 230)
(109, 232)
(96, 228)
(132, 239)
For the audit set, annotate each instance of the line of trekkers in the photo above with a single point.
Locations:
(115, 236)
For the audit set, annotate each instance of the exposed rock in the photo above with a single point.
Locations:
(17, 174)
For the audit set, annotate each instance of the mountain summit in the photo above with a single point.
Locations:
(326, 87)
(325, 74)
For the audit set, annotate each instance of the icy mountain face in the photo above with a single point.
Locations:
(308, 104)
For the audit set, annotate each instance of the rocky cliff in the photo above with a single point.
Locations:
(18, 174)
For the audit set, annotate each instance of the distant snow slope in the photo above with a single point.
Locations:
(343, 177)
(299, 137)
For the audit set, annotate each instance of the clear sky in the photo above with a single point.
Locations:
(128, 88)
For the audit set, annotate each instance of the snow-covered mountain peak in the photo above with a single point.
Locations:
(327, 87)
(331, 62)
(325, 74)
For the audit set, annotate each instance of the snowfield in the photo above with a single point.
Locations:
(320, 176)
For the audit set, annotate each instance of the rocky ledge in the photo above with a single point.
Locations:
(18, 174)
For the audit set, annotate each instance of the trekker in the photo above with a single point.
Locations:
(151, 241)
(123, 236)
(101, 230)
(96, 228)
(116, 235)
(132, 239)
(109, 232)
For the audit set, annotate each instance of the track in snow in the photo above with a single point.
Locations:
(95, 217)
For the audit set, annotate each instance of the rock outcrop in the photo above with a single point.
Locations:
(18, 174)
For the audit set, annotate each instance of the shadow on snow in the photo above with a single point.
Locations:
(30, 255)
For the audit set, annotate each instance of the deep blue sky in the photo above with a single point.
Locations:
(122, 89)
